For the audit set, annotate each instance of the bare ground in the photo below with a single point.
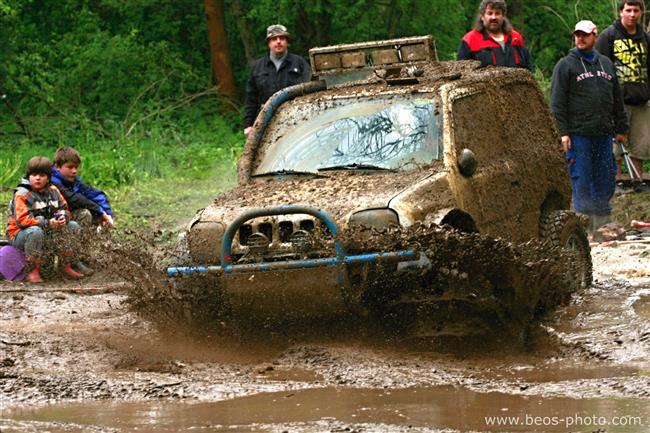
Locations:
(69, 341)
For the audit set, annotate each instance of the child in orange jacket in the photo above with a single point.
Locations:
(36, 211)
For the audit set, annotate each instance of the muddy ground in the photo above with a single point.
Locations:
(74, 357)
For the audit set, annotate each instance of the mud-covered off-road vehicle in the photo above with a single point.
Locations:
(386, 137)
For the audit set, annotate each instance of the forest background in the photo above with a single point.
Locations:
(150, 91)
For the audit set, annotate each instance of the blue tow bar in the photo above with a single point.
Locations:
(341, 257)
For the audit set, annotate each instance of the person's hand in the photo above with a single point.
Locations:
(566, 143)
(57, 223)
(248, 130)
(107, 220)
(621, 138)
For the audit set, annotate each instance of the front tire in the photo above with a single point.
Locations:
(564, 229)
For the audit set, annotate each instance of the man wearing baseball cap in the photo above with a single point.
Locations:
(275, 71)
(588, 107)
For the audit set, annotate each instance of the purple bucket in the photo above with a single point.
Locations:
(12, 263)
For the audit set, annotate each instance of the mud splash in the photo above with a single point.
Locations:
(472, 285)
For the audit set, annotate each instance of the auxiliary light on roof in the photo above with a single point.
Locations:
(369, 56)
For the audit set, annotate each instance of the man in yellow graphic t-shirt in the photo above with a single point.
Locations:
(627, 45)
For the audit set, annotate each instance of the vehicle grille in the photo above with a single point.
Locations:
(278, 231)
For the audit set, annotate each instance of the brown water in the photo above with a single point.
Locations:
(388, 410)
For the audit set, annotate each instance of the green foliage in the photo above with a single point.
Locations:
(544, 82)
(159, 153)
(9, 171)
(110, 73)
(549, 23)
(90, 64)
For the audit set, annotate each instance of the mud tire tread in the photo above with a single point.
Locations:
(556, 226)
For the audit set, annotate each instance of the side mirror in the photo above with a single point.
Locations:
(467, 162)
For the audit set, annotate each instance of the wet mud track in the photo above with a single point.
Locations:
(74, 358)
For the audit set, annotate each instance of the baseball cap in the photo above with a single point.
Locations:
(585, 26)
(276, 30)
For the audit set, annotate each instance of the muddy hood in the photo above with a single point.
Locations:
(338, 193)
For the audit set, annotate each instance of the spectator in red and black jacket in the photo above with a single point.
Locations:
(493, 41)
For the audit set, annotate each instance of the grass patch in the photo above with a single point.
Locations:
(165, 205)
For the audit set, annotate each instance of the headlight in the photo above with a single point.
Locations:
(377, 218)
(204, 241)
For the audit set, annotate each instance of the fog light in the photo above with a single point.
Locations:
(301, 241)
(258, 244)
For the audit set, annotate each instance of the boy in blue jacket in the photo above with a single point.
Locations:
(87, 204)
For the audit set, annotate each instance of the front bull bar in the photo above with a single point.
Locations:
(340, 261)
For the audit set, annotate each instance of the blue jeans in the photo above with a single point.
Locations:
(30, 240)
(593, 173)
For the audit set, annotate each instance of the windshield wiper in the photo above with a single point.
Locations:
(285, 172)
(355, 166)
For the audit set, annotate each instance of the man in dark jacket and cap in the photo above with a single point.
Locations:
(588, 107)
(627, 45)
(275, 71)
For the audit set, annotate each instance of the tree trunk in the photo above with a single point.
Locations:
(244, 31)
(219, 53)
(393, 18)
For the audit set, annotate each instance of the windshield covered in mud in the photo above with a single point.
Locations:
(387, 133)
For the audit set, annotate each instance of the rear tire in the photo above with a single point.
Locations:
(565, 230)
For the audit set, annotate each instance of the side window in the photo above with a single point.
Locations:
(509, 121)
(530, 127)
(478, 125)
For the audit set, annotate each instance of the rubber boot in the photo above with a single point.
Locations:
(34, 275)
(67, 259)
(71, 273)
(600, 220)
(80, 266)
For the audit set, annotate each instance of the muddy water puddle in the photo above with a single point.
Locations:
(610, 320)
(432, 409)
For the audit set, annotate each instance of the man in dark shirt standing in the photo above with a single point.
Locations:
(275, 71)
(588, 106)
(493, 41)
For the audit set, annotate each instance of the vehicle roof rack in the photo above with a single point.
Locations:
(351, 59)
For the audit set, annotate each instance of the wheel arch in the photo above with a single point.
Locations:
(554, 201)
(459, 220)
